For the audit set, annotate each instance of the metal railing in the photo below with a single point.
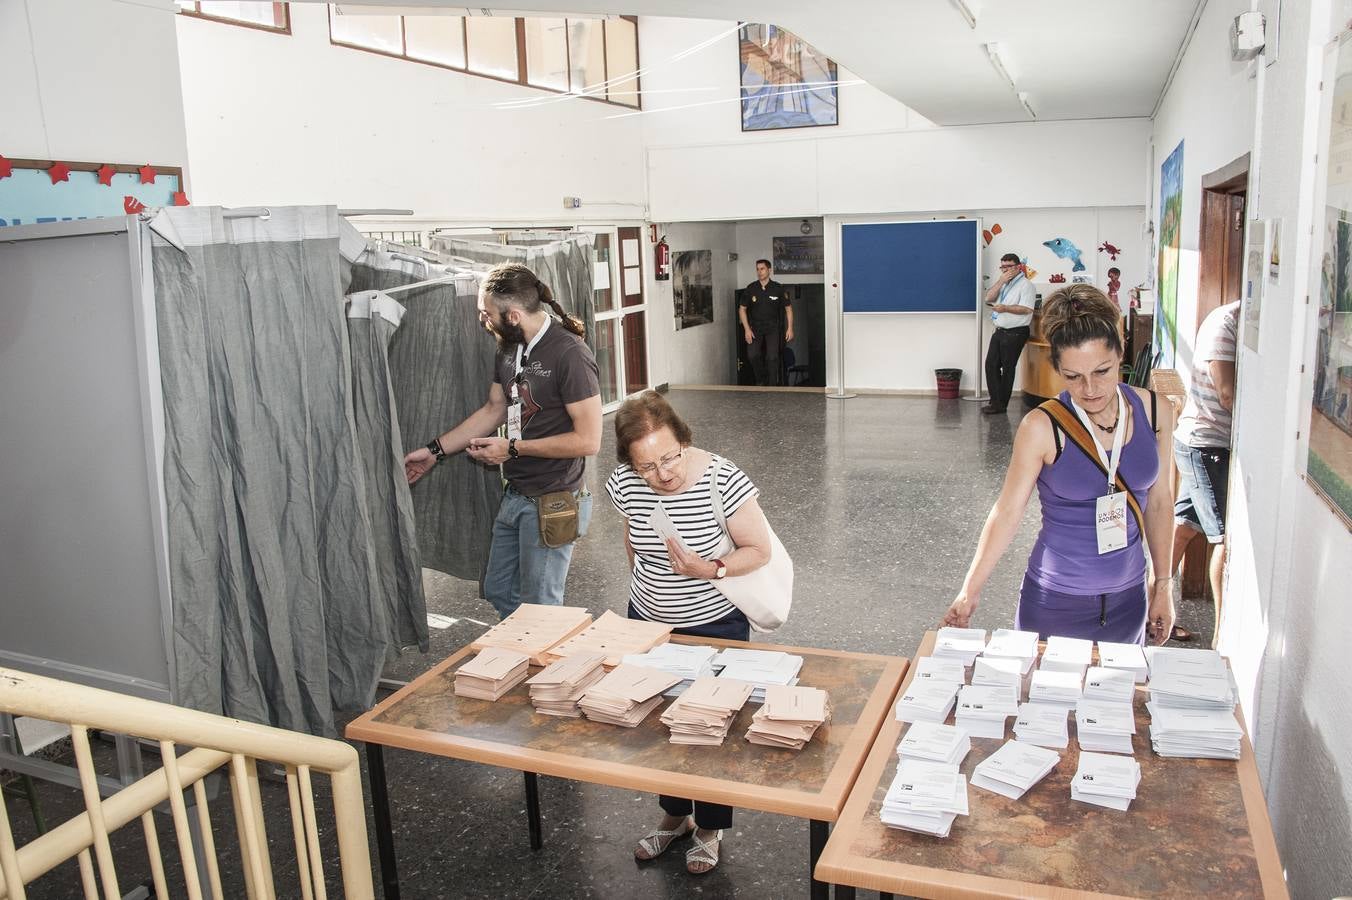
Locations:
(216, 743)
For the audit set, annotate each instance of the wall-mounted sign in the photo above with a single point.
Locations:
(35, 190)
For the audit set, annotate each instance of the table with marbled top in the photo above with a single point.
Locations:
(1197, 828)
(812, 783)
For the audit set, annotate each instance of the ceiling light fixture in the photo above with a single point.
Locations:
(1023, 99)
(967, 12)
(993, 51)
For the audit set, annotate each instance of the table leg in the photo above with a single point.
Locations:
(844, 892)
(380, 805)
(533, 810)
(818, 833)
(884, 895)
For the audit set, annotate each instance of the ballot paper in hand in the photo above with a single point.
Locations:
(1105, 780)
(1014, 768)
(933, 742)
(1128, 657)
(926, 701)
(492, 673)
(1105, 726)
(1044, 724)
(660, 522)
(925, 797)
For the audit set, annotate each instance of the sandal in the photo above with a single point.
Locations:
(701, 858)
(654, 844)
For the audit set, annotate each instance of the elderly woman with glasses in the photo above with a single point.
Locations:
(664, 488)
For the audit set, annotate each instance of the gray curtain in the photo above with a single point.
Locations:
(566, 266)
(281, 609)
(441, 367)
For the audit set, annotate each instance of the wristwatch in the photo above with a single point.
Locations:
(721, 569)
(434, 448)
(511, 449)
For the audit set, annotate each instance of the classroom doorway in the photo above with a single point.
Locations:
(1220, 276)
(804, 359)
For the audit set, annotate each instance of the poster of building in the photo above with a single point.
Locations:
(798, 254)
(785, 82)
(692, 287)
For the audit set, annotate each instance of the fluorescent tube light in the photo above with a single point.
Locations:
(966, 11)
(993, 51)
(1023, 99)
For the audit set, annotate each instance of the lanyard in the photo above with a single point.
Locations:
(525, 351)
(1109, 462)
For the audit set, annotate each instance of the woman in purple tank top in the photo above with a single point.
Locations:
(1086, 579)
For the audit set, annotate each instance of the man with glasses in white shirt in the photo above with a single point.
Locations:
(1011, 300)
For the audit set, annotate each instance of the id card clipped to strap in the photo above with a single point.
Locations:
(1110, 510)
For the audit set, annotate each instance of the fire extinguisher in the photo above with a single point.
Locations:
(663, 258)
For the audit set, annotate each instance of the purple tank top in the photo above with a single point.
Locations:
(1065, 557)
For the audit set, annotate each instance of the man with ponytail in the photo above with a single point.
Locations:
(546, 390)
(1100, 456)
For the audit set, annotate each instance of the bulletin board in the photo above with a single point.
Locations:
(931, 266)
(39, 191)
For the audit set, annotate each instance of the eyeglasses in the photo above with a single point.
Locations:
(1008, 265)
(664, 463)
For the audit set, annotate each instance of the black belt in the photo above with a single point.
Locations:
(1023, 328)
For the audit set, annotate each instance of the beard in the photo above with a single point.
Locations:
(508, 336)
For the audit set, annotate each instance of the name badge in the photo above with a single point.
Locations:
(1110, 518)
(514, 421)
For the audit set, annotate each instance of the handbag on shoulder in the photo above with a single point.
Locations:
(766, 594)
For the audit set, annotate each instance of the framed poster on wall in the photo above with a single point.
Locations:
(785, 82)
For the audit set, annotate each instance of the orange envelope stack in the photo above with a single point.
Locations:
(705, 710)
(789, 716)
(534, 628)
(556, 690)
(626, 695)
(613, 637)
(492, 673)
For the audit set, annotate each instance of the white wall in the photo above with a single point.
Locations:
(91, 81)
(900, 352)
(1286, 617)
(303, 121)
(702, 354)
(755, 240)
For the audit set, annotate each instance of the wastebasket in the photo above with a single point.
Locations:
(948, 381)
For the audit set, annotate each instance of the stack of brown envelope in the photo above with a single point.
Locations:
(491, 674)
(556, 690)
(534, 628)
(613, 637)
(704, 712)
(626, 695)
(789, 716)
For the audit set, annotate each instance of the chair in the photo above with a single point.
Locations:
(794, 375)
(216, 743)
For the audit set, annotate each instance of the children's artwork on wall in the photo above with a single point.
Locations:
(786, 83)
(1109, 249)
(34, 191)
(1171, 217)
(1254, 279)
(1082, 279)
(989, 234)
(798, 254)
(1066, 249)
(1058, 278)
(1028, 271)
(692, 287)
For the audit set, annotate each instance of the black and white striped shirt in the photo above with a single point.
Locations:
(656, 591)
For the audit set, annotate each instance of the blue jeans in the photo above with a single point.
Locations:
(521, 569)
(1203, 481)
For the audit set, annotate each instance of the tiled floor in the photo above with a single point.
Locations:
(878, 499)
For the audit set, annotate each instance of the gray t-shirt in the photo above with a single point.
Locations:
(559, 370)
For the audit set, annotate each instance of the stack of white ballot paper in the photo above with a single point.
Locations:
(1191, 679)
(999, 671)
(926, 701)
(759, 668)
(704, 712)
(1194, 733)
(626, 695)
(1014, 768)
(933, 742)
(556, 690)
(941, 671)
(925, 797)
(983, 708)
(1065, 654)
(1007, 643)
(1127, 657)
(963, 644)
(789, 717)
(1062, 689)
(1044, 724)
(686, 661)
(1112, 685)
(1105, 727)
(492, 673)
(1109, 781)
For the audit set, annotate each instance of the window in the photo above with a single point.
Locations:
(267, 16)
(595, 58)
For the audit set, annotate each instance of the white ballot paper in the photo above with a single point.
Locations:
(926, 701)
(935, 743)
(1014, 768)
(1117, 685)
(660, 522)
(1123, 656)
(946, 671)
(1044, 724)
(1065, 654)
(1104, 726)
(1108, 781)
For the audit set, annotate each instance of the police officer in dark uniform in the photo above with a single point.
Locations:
(759, 310)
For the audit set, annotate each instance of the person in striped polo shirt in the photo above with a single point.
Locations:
(675, 581)
(1202, 446)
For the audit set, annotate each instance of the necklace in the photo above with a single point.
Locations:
(1108, 429)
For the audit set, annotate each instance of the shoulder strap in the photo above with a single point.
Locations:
(1056, 433)
(1075, 430)
(1154, 423)
(715, 495)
